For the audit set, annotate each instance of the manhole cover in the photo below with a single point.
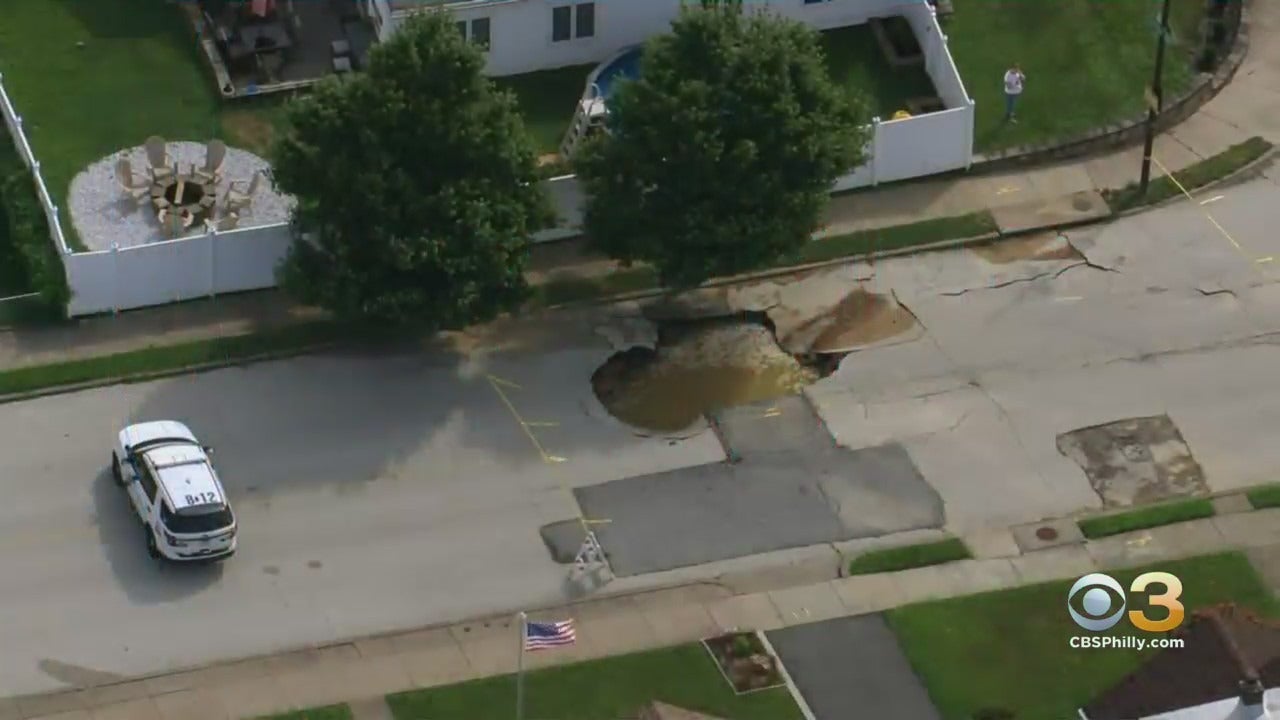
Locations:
(1046, 534)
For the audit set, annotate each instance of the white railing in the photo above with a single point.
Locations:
(124, 278)
(14, 122)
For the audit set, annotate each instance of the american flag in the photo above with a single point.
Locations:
(540, 636)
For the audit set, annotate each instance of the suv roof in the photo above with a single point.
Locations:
(185, 474)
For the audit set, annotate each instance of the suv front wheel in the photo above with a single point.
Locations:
(152, 549)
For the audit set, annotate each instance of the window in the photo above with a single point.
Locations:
(186, 523)
(560, 19)
(146, 478)
(573, 21)
(480, 32)
(586, 20)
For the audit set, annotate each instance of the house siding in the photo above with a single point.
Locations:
(521, 30)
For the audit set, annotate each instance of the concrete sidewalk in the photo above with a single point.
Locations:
(1249, 106)
(363, 671)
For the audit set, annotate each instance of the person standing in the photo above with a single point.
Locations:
(1013, 80)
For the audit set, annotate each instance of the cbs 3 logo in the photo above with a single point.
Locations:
(1102, 602)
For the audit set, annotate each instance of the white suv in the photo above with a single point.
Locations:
(174, 491)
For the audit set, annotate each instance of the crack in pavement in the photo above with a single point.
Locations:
(1052, 275)
(1219, 291)
(1173, 136)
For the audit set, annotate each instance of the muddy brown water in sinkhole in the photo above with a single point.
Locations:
(700, 366)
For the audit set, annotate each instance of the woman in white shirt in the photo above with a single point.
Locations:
(1013, 79)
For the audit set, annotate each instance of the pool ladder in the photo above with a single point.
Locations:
(584, 121)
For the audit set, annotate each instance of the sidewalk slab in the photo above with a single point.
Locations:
(991, 543)
(863, 594)
(1261, 527)
(191, 705)
(745, 612)
(978, 576)
(489, 651)
(141, 709)
(69, 715)
(808, 603)
(370, 677)
(1053, 564)
(370, 709)
(1195, 537)
(612, 628)
(251, 698)
(676, 624)
(111, 694)
(1053, 211)
(1232, 504)
(1065, 532)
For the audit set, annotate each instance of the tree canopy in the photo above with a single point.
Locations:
(720, 157)
(416, 185)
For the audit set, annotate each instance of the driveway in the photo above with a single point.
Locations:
(852, 667)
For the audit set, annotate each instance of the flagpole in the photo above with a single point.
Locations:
(520, 669)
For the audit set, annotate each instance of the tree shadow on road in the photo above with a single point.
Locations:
(144, 579)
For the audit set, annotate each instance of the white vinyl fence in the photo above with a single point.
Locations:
(14, 122)
(175, 270)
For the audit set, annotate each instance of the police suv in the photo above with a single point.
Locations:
(174, 492)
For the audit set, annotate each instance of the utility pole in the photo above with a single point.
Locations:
(1156, 103)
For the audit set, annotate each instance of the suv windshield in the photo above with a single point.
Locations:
(183, 523)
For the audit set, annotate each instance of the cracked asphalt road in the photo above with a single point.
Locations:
(381, 493)
(1181, 323)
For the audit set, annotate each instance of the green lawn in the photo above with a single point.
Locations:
(856, 62)
(614, 687)
(1010, 648)
(1146, 517)
(909, 556)
(1087, 61)
(13, 275)
(547, 100)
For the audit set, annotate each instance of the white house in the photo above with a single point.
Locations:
(526, 35)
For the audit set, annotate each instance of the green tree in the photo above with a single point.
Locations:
(416, 184)
(720, 157)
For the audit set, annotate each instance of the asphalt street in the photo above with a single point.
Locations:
(373, 493)
(383, 492)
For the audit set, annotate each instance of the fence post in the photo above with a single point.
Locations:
(115, 278)
(213, 261)
(875, 150)
(973, 113)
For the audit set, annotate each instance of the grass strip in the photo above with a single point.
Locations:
(1191, 177)
(909, 556)
(635, 279)
(1147, 517)
(341, 711)
(169, 357)
(612, 687)
(897, 237)
(1267, 496)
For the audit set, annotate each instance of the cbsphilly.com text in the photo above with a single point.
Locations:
(1124, 642)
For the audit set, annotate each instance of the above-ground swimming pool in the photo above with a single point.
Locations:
(623, 67)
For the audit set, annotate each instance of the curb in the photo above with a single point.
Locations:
(1263, 159)
(159, 374)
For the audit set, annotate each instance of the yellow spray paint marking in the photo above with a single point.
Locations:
(1069, 298)
(771, 412)
(1263, 260)
(1208, 216)
(496, 383)
(1005, 190)
(1213, 199)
